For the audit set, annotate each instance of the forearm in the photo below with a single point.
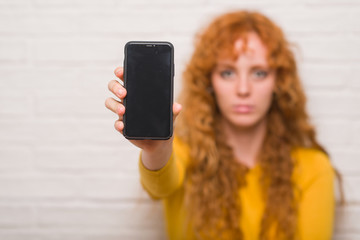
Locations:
(157, 158)
(170, 172)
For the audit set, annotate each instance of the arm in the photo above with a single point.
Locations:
(156, 154)
(163, 182)
(317, 204)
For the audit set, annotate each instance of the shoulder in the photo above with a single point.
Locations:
(311, 164)
(311, 159)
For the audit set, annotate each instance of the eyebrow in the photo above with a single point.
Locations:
(232, 65)
(225, 64)
(260, 66)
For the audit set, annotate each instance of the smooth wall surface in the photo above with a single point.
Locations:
(65, 173)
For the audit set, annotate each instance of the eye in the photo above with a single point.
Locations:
(227, 73)
(259, 74)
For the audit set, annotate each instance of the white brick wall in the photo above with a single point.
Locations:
(65, 173)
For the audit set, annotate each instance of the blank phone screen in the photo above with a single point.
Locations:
(149, 84)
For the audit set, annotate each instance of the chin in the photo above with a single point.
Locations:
(244, 122)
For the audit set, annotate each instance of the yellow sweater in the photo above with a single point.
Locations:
(313, 173)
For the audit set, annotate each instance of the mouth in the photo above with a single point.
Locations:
(243, 108)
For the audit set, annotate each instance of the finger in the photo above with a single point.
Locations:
(119, 126)
(116, 88)
(119, 72)
(176, 110)
(115, 106)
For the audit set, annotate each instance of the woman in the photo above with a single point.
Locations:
(244, 162)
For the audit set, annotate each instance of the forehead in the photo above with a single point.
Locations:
(249, 48)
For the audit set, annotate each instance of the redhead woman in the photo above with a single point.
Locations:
(244, 162)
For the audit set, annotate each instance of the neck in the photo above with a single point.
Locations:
(246, 142)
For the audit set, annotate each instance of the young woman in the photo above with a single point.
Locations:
(244, 162)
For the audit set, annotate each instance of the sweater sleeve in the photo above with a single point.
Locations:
(317, 202)
(163, 182)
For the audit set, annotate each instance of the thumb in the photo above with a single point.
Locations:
(176, 110)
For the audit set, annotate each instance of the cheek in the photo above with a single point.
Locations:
(265, 93)
(221, 91)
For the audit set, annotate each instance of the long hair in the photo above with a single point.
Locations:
(214, 177)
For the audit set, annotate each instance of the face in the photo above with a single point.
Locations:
(244, 87)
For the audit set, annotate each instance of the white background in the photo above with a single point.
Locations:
(65, 173)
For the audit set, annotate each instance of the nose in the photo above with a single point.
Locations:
(243, 86)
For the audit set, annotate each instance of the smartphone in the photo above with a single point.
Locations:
(148, 79)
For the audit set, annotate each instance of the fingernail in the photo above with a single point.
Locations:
(120, 92)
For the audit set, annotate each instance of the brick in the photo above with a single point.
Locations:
(346, 160)
(333, 49)
(112, 188)
(346, 236)
(71, 105)
(351, 187)
(164, 3)
(17, 3)
(334, 104)
(335, 3)
(125, 216)
(355, 139)
(95, 81)
(18, 21)
(85, 51)
(13, 51)
(316, 21)
(144, 234)
(15, 105)
(53, 131)
(127, 25)
(100, 234)
(16, 216)
(316, 76)
(346, 219)
(20, 187)
(258, 3)
(15, 158)
(33, 81)
(17, 234)
(75, 3)
(91, 159)
(329, 134)
(47, 22)
(49, 235)
(353, 82)
(16, 131)
(136, 22)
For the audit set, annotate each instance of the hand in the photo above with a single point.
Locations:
(150, 147)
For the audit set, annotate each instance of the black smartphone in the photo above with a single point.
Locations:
(148, 79)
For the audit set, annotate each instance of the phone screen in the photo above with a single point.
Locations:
(148, 79)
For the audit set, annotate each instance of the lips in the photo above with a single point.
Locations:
(243, 108)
